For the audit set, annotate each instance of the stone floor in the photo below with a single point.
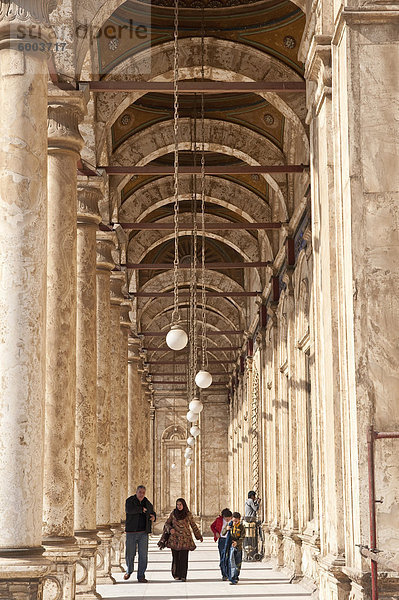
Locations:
(258, 580)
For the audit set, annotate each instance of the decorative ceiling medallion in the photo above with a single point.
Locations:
(200, 3)
(113, 44)
(268, 119)
(125, 119)
(289, 42)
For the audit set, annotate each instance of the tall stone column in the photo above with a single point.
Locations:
(64, 144)
(86, 392)
(125, 325)
(118, 280)
(23, 231)
(134, 385)
(105, 244)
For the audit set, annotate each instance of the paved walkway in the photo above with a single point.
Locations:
(204, 582)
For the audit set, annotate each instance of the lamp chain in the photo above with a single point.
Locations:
(203, 290)
(175, 315)
(193, 282)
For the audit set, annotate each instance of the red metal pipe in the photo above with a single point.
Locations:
(386, 435)
(373, 528)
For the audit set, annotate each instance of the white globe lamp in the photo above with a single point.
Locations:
(195, 431)
(192, 417)
(189, 462)
(190, 441)
(188, 452)
(176, 338)
(196, 406)
(173, 466)
(203, 379)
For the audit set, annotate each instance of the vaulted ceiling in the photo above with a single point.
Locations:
(243, 40)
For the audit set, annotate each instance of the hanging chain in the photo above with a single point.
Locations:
(193, 266)
(203, 291)
(195, 257)
(175, 315)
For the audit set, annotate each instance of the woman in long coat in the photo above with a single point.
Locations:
(177, 536)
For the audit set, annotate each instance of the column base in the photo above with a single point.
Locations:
(103, 566)
(117, 548)
(292, 555)
(360, 581)
(334, 583)
(86, 576)
(22, 572)
(64, 553)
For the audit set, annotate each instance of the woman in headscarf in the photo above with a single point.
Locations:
(177, 536)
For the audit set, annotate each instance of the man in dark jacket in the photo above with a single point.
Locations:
(139, 518)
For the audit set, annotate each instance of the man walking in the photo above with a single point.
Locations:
(139, 518)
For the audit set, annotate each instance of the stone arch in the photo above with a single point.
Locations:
(220, 136)
(254, 65)
(174, 432)
(162, 316)
(139, 205)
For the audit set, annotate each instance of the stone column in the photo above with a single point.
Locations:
(86, 392)
(151, 479)
(118, 280)
(105, 263)
(125, 325)
(23, 202)
(64, 144)
(134, 385)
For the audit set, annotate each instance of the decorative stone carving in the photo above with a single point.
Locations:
(63, 130)
(88, 198)
(28, 20)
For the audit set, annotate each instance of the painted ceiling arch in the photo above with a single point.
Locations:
(226, 310)
(221, 137)
(225, 61)
(143, 196)
(161, 321)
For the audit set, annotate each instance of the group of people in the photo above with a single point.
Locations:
(228, 531)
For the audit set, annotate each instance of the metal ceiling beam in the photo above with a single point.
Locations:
(183, 362)
(184, 383)
(187, 294)
(190, 227)
(163, 333)
(244, 169)
(167, 349)
(184, 374)
(213, 265)
(192, 87)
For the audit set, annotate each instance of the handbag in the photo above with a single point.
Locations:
(164, 538)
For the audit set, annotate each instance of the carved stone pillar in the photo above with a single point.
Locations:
(23, 231)
(105, 244)
(64, 145)
(134, 390)
(86, 392)
(125, 325)
(118, 280)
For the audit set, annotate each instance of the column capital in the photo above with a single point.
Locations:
(118, 282)
(126, 307)
(24, 21)
(104, 246)
(88, 197)
(133, 350)
(65, 111)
